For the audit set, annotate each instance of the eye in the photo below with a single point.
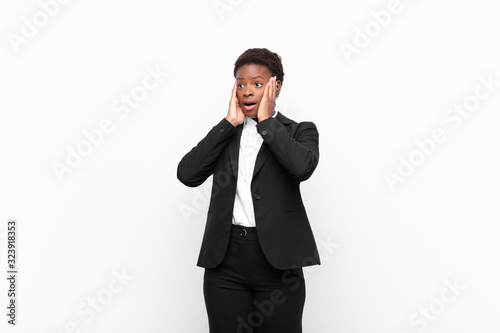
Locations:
(239, 85)
(258, 84)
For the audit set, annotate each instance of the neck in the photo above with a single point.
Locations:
(257, 119)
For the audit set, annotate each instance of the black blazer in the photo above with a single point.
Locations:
(288, 155)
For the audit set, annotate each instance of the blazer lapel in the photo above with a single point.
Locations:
(234, 150)
(264, 151)
(262, 156)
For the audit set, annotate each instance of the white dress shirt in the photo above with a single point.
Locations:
(250, 143)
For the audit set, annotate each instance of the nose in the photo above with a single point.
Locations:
(247, 91)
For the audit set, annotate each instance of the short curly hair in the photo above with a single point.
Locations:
(261, 56)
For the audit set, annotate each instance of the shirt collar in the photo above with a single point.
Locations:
(249, 121)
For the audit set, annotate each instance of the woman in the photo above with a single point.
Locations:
(257, 237)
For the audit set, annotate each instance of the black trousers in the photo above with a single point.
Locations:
(246, 294)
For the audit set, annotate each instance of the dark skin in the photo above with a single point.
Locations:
(256, 85)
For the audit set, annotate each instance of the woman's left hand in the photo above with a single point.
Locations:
(268, 101)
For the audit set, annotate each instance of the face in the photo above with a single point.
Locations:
(251, 83)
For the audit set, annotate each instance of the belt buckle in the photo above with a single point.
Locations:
(243, 232)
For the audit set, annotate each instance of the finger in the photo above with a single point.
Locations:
(263, 101)
(272, 82)
(235, 94)
(274, 88)
(266, 90)
(234, 88)
(270, 92)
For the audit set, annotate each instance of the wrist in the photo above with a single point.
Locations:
(262, 118)
(232, 121)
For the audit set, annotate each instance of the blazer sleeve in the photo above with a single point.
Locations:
(197, 165)
(299, 154)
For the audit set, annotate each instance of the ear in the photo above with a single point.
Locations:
(278, 87)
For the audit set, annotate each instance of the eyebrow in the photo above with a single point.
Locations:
(240, 78)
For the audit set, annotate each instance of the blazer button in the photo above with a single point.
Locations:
(264, 132)
(256, 195)
(221, 130)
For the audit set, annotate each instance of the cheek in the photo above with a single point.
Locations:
(259, 95)
(239, 94)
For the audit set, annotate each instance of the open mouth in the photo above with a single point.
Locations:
(249, 106)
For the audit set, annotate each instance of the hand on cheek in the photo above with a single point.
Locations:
(235, 115)
(268, 102)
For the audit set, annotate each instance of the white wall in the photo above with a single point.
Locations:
(390, 252)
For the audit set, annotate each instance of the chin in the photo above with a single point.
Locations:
(251, 114)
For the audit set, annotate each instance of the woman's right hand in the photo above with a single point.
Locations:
(235, 114)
